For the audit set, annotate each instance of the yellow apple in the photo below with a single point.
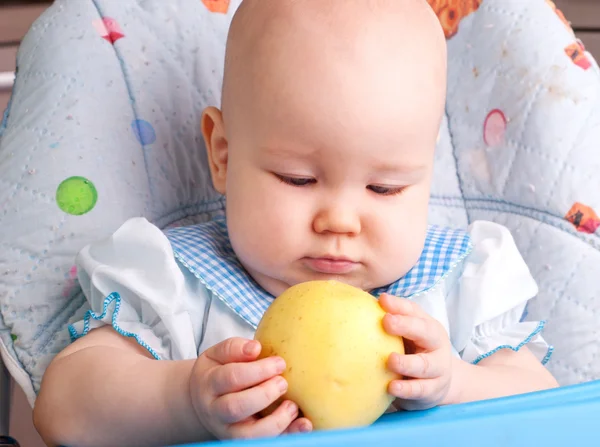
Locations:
(331, 337)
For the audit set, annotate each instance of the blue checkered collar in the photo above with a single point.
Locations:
(205, 250)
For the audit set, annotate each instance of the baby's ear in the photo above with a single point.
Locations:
(217, 146)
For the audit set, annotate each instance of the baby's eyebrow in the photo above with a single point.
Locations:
(389, 168)
(289, 152)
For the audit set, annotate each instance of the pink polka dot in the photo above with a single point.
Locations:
(494, 128)
(108, 29)
(70, 285)
(576, 51)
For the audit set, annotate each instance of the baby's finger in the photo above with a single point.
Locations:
(233, 350)
(418, 366)
(424, 332)
(416, 389)
(274, 424)
(300, 425)
(235, 407)
(234, 377)
(401, 306)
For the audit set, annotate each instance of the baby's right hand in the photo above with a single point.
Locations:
(229, 387)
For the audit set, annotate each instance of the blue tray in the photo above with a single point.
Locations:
(566, 417)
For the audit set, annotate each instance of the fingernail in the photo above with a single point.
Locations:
(282, 384)
(250, 347)
(292, 408)
(280, 364)
(304, 428)
(396, 387)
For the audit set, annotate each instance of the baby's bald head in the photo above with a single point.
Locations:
(328, 47)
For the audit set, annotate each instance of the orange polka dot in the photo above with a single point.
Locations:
(583, 218)
(451, 12)
(220, 6)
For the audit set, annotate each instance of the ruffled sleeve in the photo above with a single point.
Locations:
(133, 283)
(486, 304)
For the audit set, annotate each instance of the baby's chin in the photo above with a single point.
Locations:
(277, 286)
(367, 277)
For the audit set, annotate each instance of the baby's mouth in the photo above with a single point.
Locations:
(330, 265)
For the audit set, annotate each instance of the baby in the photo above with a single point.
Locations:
(324, 148)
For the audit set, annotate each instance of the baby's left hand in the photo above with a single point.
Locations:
(427, 365)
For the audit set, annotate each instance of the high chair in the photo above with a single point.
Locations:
(103, 126)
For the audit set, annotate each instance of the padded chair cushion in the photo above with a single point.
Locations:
(104, 125)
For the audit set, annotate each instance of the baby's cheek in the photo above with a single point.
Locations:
(399, 240)
(398, 252)
(264, 231)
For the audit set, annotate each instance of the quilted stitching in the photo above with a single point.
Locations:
(77, 95)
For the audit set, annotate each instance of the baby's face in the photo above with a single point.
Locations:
(326, 164)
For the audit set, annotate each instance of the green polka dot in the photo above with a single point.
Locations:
(14, 337)
(76, 196)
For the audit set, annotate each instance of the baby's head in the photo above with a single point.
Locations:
(324, 147)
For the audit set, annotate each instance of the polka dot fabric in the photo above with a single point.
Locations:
(104, 125)
(519, 146)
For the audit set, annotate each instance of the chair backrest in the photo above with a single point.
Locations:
(104, 126)
(521, 148)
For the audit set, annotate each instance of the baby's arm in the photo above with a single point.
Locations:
(504, 373)
(105, 389)
(436, 377)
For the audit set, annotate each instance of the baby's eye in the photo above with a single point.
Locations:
(296, 181)
(386, 190)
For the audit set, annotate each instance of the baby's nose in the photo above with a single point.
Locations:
(337, 219)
